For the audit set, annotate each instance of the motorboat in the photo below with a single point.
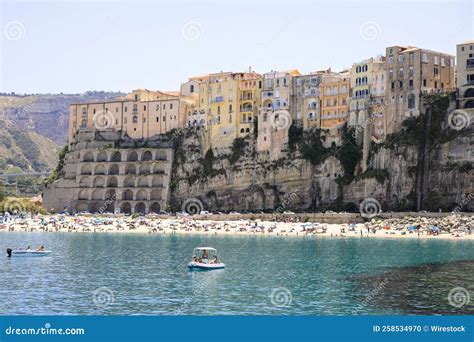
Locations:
(205, 258)
(27, 253)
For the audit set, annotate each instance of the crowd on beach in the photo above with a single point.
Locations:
(453, 226)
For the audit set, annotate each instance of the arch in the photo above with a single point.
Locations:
(84, 182)
(110, 195)
(267, 103)
(130, 169)
(141, 195)
(116, 157)
(147, 156)
(109, 207)
(88, 157)
(469, 104)
(129, 182)
(155, 208)
(114, 169)
(140, 208)
(469, 92)
(362, 118)
(156, 194)
(157, 168)
(82, 206)
(144, 169)
(83, 195)
(161, 155)
(96, 195)
(143, 182)
(126, 208)
(112, 182)
(127, 195)
(102, 156)
(132, 156)
(97, 207)
(99, 182)
(353, 119)
(157, 181)
(86, 169)
(99, 169)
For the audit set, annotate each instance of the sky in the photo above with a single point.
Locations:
(75, 46)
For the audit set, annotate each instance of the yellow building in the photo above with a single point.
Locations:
(367, 88)
(229, 101)
(334, 96)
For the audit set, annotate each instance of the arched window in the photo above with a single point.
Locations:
(135, 119)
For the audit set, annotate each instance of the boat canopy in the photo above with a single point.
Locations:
(209, 249)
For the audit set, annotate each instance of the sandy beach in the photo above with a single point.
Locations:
(450, 227)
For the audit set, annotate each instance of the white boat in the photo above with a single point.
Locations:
(27, 253)
(205, 258)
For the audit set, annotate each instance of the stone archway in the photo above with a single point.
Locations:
(140, 208)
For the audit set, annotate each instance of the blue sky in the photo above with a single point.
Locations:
(74, 46)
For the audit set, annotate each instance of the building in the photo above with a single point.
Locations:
(106, 172)
(367, 96)
(465, 76)
(230, 102)
(305, 100)
(412, 71)
(141, 114)
(189, 94)
(334, 97)
(275, 112)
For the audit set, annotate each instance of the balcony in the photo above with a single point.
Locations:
(246, 109)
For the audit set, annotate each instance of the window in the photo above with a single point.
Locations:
(144, 107)
(116, 109)
(157, 107)
(411, 57)
(411, 101)
(436, 60)
(443, 61)
(157, 119)
(191, 88)
(424, 82)
(393, 85)
(400, 72)
(135, 108)
(410, 83)
(93, 111)
(424, 58)
(400, 58)
(136, 97)
(390, 73)
(230, 108)
(436, 71)
(135, 119)
(171, 106)
(411, 71)
(390, 59)
(164, 105)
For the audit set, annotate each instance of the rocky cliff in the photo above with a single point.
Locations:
(427, 165)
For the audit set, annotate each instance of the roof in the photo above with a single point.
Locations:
(205, 248)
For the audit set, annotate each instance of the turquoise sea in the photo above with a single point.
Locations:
(133, 274)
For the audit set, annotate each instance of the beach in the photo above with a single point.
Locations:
(449, 227)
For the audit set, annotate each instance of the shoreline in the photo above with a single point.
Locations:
(191, 226)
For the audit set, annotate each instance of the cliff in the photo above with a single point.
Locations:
(427, 165)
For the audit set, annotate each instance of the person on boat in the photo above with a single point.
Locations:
(205, 255)
(28, 248)
(215, 260)
(40, 248)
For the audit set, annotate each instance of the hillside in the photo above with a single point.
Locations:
(46, 114)
(23, 150)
